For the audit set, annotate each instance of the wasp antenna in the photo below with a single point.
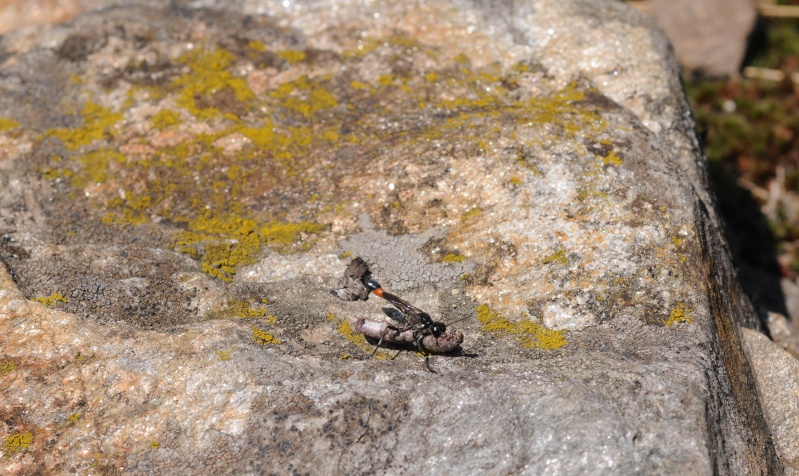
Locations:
(458, 320)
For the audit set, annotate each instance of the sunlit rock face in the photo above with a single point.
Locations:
(181, 188)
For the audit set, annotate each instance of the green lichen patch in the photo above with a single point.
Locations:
(51, 299)
(528, 333)
(18, 442)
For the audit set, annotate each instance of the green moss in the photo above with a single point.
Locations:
(529, 334)
(264, 338)
(7, 124)
(678, 315)
(97, 121)
(165, 119)
(7, 365)
(18, 442)
(51, 299)
(558, 256)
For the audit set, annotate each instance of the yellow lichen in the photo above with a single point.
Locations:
(346, 330)
(95, 166)
(529, 334)
(18, 442)
(359, 85)
(7, 365)
(262, 337)
(225, 242)
(453, 258)
(51, 299)
(165, 119)
(256, 45)
(209, 75)
(612, 159)
(97, 121)
(7, 124)
(292, 56)
(237, 309)
(679, 314)
(223, 354)
(155, 445)
(471, 214)
(559, 256)
(304, 96)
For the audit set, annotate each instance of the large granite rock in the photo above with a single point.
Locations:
(710, 37)
(777, 376)
(182, 186)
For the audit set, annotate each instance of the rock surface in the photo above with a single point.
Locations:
(182, 186)
(710, 37)
(777, 375)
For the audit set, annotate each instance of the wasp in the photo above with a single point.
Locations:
(415, 327)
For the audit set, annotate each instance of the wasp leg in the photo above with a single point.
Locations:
(380, 341)
(418, 342)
